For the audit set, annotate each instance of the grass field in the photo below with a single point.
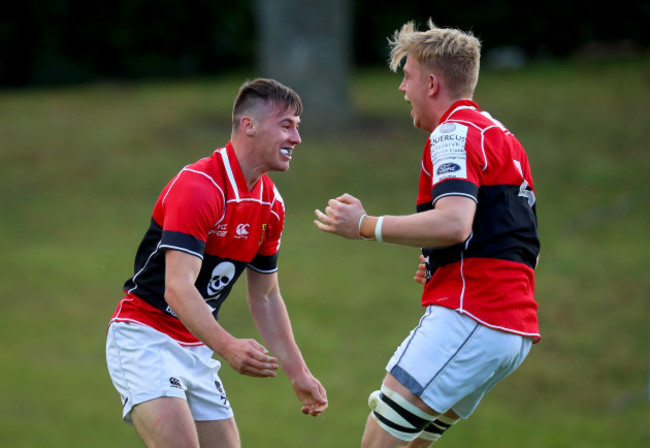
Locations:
(80, 169)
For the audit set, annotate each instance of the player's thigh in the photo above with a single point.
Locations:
(143, 364)
(165, 422)
(448, 356)
(218, 433)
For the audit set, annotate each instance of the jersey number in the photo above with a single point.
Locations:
(523, 188)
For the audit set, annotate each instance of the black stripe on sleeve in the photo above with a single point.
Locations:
(454, 187)
(182, 242)
(266, 264)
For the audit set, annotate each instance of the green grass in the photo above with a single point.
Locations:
(80, 169)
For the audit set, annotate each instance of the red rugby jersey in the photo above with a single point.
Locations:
(207, 211)
(489, 277)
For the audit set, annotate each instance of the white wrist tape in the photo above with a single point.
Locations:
(359, 229)
(380, 222)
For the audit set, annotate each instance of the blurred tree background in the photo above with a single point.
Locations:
(71, 41)
(87, 142)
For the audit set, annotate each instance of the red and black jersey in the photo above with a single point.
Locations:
(489, 277)
(207, 211)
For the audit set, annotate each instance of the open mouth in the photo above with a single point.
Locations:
(286, 151)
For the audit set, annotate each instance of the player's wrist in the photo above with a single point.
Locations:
(361, 218)
(297, 372)
(367, 226)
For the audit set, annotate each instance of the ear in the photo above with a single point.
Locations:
(434, 84)
(248, 125)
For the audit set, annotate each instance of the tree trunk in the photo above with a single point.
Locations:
(307, 46)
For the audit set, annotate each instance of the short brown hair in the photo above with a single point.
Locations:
(268, 91)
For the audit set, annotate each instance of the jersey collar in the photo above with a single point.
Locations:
(236, 176)
(458, 105)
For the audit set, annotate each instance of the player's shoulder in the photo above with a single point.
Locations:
(195, 183)
(209, 170)
(468, 113)
(448, 134)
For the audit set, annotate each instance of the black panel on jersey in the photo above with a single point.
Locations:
(149, 282)
(147, 245)
(216, 279)
(504, 227)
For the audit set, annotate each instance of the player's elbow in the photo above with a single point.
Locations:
(463, 232)
(173, 292)
(457, 232)
(455, 219)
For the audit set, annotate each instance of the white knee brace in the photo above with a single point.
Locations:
(396, 415)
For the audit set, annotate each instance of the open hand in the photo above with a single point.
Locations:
(249, 357)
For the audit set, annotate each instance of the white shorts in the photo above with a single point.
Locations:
(145, 364)
(450, 361)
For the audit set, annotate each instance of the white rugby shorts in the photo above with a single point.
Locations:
(145, 364)
(450, 361)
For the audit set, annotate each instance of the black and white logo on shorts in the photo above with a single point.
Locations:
(224, 398)
(175, 382)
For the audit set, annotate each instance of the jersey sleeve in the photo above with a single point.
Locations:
(188, 209)
(455, 168)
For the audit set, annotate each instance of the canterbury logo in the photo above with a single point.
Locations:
(242, 229)
(175, 382)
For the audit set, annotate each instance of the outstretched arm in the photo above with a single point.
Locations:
(450, 222)
(272, 320)
(246, 356)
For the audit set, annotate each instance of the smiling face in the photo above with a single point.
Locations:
(275, 137)
(417, 88)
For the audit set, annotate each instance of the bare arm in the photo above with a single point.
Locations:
(246, 356)
(272, 320)
(449, 223)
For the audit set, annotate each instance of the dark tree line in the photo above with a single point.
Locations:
(66, 41)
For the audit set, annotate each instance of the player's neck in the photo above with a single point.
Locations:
(251, 169)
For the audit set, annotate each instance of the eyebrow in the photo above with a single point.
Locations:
(291, 120)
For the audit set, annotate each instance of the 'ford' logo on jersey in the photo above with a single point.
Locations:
(447, 168)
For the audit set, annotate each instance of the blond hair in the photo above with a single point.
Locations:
(453, 54)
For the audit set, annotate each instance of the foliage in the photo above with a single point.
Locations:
(549, 29)
(72, 41)
(79, 171)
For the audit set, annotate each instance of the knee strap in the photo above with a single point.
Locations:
(434, 430)
(396, 415)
